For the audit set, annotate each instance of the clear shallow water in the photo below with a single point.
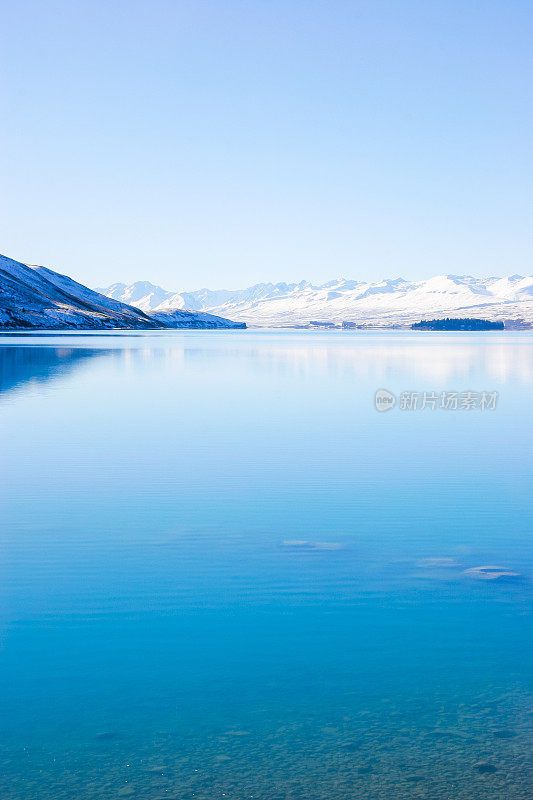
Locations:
(157, 637)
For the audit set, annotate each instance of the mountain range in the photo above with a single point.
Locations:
(38, 297)
(392, 302)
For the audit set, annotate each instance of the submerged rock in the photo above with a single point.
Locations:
(490, 573)
(429, 563)
(353, 745)
(108, 736)
(237, 733)
(126, 791)
(304, 544)
(485, 768)
(503, 734)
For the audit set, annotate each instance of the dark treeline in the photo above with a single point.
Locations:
(455, 324)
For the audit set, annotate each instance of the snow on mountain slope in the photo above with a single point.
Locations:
(177, 318)
(388, 302)
(143, 295)
(38, 297)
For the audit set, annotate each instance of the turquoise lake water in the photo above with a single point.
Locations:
(224, 574)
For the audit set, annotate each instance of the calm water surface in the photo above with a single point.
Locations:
(163, 636)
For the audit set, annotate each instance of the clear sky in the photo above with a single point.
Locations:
(228, 142)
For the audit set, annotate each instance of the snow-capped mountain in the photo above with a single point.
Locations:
(384, 303)
(38, 297)
(143, 295)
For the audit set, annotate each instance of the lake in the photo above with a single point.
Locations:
(225, 574)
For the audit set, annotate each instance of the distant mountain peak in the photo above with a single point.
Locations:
(390, 301)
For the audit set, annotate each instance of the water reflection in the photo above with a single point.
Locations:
(377, 357)
(22, 365)
(443, 362)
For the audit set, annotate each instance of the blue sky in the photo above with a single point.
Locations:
(230, 142)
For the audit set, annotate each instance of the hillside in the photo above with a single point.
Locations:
(37, 297)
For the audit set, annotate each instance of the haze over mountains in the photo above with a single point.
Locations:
(384, 303)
